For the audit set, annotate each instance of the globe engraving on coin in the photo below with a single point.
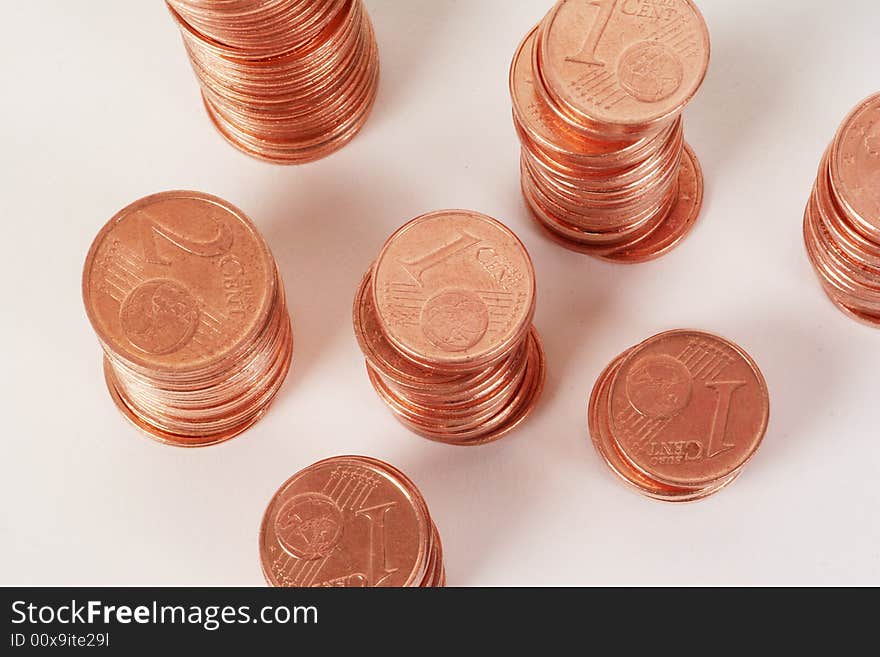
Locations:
(159, 316)
(650, 71)
(309, 526)
(455, 320)
(659, 386)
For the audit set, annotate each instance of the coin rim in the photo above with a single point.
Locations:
(694, 482)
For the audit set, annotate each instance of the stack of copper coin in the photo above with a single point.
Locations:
(842, 220)
(598, 89)
(444, 319)
(189, 308)
(350, 521)
(288, 81)
(678, 416)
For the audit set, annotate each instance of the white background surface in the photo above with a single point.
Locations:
(100, 108)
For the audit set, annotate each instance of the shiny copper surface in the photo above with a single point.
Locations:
(190, 311)
(444, 319)
(288, 81)
(678, 416)
(597, 90)
(350, 521)
(622, 66)
(842, 219)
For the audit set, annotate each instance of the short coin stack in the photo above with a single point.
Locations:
(189, 308)
(444, 319)
(287, 81)
(842, 220)
(350, 521)
(598, 89)
(678, 416)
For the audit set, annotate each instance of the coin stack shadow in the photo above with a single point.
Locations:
(447, 330)
(288, 81)
(678, 416)
(196, 335)
(842, 219)
(350, 521)
(601, 174)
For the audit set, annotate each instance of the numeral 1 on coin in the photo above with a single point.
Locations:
(587, 53)
(417, 268)
(725, 391)
(149, 229)
(377, 569)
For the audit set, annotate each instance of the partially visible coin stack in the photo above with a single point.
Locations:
(288, 81)
(189, 309)
(350, 521)
(842, 220)
(598, 89)
(678, 416)
(444, 319)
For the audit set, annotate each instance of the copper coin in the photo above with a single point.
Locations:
(842, 219)
(217, 424)
(597, 91)
(628, 65)
(677, 224)
(444, 321)
(841, 232)
(559, 224)
(287, 81)
(485, 429)
(380, 354)
(542, 126)
(178, 280)
(349, 521)
(186, 301)
(855, 166)
(688, 408)
(607, 447)
(454, 288)
(263, 26)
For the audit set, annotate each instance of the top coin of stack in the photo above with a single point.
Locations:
(288, 81)
(678, 416)
(444, 318)
(598, 89)
(189, 308)
(350, 521)
(842, 220)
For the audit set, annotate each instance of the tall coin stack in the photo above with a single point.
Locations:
(189, 309)
(842, 220)
(598, 89)
(288, 81)
(350, 521)
(444, 319)
(678, 416)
